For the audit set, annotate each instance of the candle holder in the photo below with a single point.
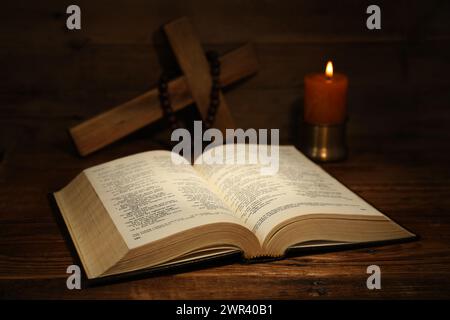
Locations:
(324, 143)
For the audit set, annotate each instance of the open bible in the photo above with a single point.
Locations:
(144, 211)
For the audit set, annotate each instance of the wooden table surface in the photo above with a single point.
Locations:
(409, 183)
(398, 132)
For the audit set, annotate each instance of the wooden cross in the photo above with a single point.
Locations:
(193, 86)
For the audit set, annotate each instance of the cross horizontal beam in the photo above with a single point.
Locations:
(130, 116)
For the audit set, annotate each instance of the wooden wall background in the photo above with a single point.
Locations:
(119, 52)
(399, 102)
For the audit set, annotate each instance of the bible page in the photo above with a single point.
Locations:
(299, 187)
(148, 197)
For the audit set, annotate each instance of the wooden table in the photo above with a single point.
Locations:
(399, 181)
(399, 137)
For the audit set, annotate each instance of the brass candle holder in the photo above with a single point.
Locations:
(324, 143)
(325, 105)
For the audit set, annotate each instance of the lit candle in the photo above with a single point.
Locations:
(325, 97)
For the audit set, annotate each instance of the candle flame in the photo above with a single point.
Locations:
(329, 70)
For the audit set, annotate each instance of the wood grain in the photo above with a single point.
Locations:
(225, 21)
(398, 133)
(145, 109)
(192, 60)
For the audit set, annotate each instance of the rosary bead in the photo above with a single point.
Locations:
(162, 84)
(171, 118)
(215, 71)
(212, 55)
(215, 82)
(214, 102)
(215, 63)
(214, 94)
(165, 103)
(163, 95)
